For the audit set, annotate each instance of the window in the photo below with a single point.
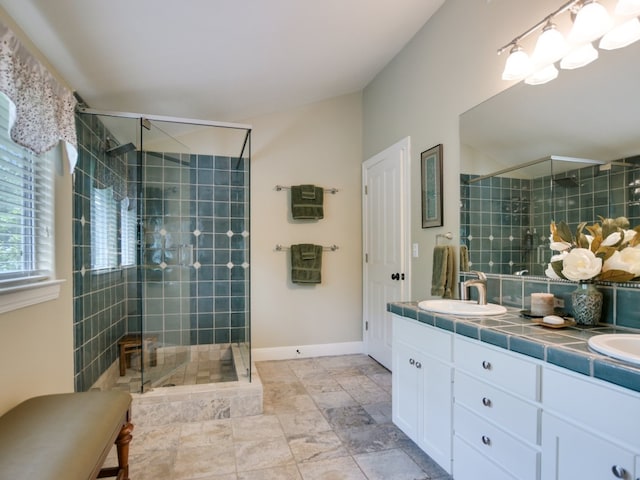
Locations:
(128, 233)
(104, 229)
(26, 210)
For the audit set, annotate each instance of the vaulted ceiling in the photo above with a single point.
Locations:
(217, 59)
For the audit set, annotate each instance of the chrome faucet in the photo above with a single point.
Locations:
(521, 272)
(479, 284)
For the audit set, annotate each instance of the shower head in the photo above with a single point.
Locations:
(566, 182)
(120, 149)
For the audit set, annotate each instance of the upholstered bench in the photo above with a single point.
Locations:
(66, 436)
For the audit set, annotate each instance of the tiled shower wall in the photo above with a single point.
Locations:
(195, 278)
(505, 221)
(100, 298)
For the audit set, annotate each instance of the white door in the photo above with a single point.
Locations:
(385, 207)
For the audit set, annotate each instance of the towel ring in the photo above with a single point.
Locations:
(447, 235)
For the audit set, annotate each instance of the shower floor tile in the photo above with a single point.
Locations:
(315, 426)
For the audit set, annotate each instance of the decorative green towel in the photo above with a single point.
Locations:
(464, 258)
(307, 202)
(306, 263)
(443, 275)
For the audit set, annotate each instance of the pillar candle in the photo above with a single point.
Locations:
(542, 304)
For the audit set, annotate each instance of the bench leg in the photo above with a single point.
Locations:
(121, 472)
(122, 446)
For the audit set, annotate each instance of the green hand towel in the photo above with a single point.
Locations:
(306, 263)
(464, 258)
(444, 271)
(307, 202)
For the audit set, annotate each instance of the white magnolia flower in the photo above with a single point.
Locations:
(612, 239)
(559, 246)
(581, 264)
(628, 236)
(550, 272)
(627, 260)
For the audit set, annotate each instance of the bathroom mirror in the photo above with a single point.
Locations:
(589, 113)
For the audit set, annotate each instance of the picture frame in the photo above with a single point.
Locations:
(431, 182)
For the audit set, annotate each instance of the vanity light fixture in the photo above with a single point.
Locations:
(591, 21)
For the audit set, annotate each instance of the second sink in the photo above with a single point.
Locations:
(461, 307)
(623, 346)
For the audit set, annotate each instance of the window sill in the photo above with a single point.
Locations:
(21, 296)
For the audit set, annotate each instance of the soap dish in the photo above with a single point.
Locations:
(568, 322)
(556, 311)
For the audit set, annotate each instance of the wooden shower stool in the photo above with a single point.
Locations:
(133, 343)
(66, 436)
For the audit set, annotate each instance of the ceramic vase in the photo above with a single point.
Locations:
(587, 304)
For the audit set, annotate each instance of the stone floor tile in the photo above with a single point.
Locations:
(317, 446)
(333, 399)
(372, 438)
(380, 412)
(149, 438)
(344, 468)
(303, 423)
(151, 465)
(258, 427)
(425, 462)
(390, 464)
(261, 454)
(197, 462)
(203, 433)
(347, 417)
(273, 404)
(288, 472)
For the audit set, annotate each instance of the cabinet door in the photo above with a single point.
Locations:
(406, 389)
(569, 453)
(435, 431)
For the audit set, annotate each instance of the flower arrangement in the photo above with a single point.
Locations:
(607, 251)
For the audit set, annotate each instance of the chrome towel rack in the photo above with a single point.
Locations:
(328, 190)
(447, 235)
(331, 248)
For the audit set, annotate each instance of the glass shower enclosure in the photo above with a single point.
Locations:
(179, 244)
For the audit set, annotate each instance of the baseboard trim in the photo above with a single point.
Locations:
(306, 351)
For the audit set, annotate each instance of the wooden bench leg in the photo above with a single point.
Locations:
(121, 472)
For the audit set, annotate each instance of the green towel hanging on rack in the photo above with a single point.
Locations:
(306, 263)
(307, 202)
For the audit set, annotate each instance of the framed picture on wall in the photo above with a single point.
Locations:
(431, 162)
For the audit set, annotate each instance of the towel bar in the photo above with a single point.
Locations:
(332, 248)
(328, 190)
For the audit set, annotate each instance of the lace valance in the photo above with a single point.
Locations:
(42, 110)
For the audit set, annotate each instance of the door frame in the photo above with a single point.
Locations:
(405, 219)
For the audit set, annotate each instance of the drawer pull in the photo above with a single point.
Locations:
(418, 365)
(486, 401)
(618, 471)
(486, 365)
(412, 361)
(486, 440)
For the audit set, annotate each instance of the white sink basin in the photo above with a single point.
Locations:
(623, 346)
(461, 307)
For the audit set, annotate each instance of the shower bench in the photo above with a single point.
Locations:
(67, 435)
(131, 343)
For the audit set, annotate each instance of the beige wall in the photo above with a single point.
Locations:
(318, 144)
(449, 66)
(36, 343)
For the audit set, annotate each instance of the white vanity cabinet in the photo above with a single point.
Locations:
(496, 417)
(422, 376)
(590, 429)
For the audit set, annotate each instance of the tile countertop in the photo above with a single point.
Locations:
(565, 347)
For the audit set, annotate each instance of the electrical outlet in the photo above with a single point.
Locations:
(558, 302)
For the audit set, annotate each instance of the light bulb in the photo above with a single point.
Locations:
(550, 46)
(627, 8)
(592, 21)
(579, 57)
(518, 64)
(621, 36)
(543, 75)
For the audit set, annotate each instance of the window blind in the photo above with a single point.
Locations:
(104, 229)
(128, 233)
(26, 210)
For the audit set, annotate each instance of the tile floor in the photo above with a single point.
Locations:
(324, 418)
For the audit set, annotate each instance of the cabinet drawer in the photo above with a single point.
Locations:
(431, 341)
(503, 369)
(469, 464)
(513, 414)
(604, 408)
(520, 460)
